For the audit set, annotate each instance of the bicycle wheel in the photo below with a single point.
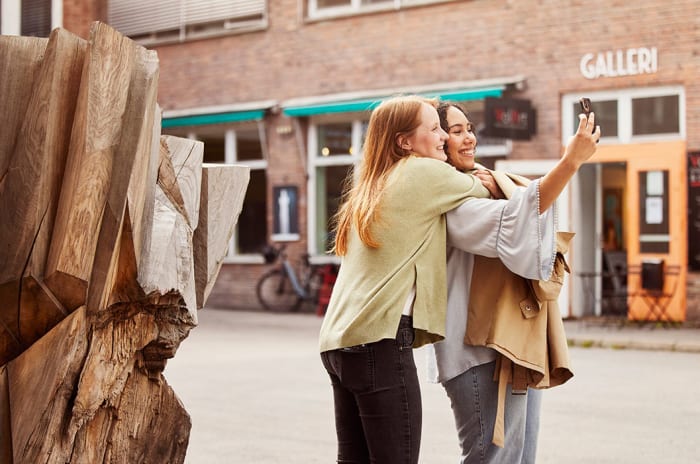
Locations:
(275, 292)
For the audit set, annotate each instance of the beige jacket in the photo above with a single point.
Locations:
(520, 319)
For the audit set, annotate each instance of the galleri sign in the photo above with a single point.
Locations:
(615, 63)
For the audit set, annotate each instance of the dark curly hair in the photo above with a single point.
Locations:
(442, 112)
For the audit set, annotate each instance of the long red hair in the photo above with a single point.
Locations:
(392, 118)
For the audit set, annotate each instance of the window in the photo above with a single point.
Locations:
(631, 115)
(214, 148)
(321, 9)
(334, 147)
(655, 115)
(653, 212)
(335, 139)
(330, 181)
(161, 21)
(248, 146)
(35, 18)
(353, 4)
(340, 7)
(251, 230)
(321, 4)
(240, 145)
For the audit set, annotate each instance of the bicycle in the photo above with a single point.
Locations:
(282, 289)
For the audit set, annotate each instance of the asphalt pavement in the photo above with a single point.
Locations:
(257, 393)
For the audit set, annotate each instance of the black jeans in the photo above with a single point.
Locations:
(378, 411)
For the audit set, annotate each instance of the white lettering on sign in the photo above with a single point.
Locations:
(619, 63)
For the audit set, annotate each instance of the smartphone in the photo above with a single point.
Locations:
(586, 107)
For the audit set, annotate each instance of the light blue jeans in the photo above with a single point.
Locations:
(474, 399)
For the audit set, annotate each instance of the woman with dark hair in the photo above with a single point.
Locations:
(521, 232)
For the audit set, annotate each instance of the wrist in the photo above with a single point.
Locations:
(571, 165)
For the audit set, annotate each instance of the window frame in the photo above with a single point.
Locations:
(11, 16)
(231, 157)
(624, 99)
(314, 161)
(355, 7)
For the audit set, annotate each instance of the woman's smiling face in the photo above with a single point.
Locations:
(461, 144)
(428, 140)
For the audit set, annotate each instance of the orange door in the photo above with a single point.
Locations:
(669, 301)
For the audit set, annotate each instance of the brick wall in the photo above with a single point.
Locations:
(235, 287)
(451, 41)
(79, 14)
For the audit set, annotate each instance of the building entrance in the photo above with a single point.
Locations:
(601, 238)
(629, 214)
(613, 247)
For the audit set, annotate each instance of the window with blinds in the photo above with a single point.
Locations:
(36, 18)
(158, 21)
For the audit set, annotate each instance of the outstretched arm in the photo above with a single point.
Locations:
(580, 148)
(511, 230)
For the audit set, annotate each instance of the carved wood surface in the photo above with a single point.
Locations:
(113, 77)
(20, 57)
(169, 263)
(131, 143)
(141, 193)
(5, 418)
(223, 191)
(186, 160)
(100, 287)
(29, 193)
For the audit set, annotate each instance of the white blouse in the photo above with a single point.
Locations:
(511, 230)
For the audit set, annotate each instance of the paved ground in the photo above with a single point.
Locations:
(622, 334)
(257, 394)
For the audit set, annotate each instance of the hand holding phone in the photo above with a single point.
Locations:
(586, 107)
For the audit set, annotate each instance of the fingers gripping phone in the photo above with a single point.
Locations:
(586, 107)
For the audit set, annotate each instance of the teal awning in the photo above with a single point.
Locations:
(369, 104)
(213, 118)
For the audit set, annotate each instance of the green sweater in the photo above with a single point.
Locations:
(373, 284)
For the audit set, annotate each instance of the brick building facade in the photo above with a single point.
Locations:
(281, 87)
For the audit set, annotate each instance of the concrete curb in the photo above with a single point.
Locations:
(626, 344)
(621, 334)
